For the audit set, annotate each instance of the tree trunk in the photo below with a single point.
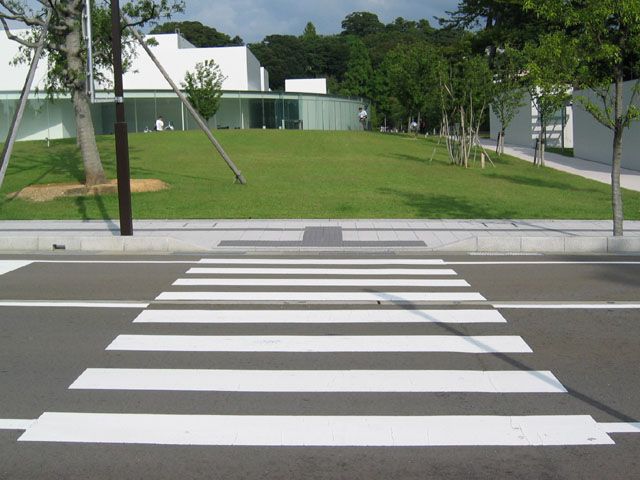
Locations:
(543, 131)
(94, 173)
(616, 193)
(501, 135)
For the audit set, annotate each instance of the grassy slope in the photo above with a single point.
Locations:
(295, 174)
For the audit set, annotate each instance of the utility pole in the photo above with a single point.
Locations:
(120, 127)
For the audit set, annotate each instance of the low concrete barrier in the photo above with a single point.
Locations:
(481, 244)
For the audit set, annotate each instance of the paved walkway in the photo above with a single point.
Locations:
(630, 179)
(544, 236)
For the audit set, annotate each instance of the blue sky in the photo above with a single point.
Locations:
(253, 19)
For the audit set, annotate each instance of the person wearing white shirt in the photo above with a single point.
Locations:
(362, 117)
(159, 124)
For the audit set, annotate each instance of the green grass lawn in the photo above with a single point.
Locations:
(567, 152)
(294, 174)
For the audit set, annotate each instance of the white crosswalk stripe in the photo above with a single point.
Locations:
(316, 343)
(323, 261)
(325, 272)
(317, 282)
(286, 296)
(319, 380)
(334, 431)
(320, 316)
(7, 266)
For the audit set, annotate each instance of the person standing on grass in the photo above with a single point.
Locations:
(159, 124)
(362, 118)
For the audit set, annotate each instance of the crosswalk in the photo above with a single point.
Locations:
(300, 294)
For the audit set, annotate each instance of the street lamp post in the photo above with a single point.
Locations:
(120, 126)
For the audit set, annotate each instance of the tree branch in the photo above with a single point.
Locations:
(19, 16)
(15, 38)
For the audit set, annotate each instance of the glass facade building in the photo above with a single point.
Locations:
(238, 110)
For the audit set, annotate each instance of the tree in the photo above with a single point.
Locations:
(508, 90)
(283, 56)
(67, 59)
(204, 88)
(309, 31)
(497, 23)
(361, 24)
(607, 36)
(551, 68)
(466, 91)
(200, 35)
(413, 73)
(359, 76)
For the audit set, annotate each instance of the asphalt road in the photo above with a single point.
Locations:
(575, 314)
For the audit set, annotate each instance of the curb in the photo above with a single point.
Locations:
(150, 245)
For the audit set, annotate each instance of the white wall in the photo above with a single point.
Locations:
(595, 142)
(254, 72)
(145, 76)
(240, 67)
(264, 83)
(306, 85)
(525, 127)
(13, 77)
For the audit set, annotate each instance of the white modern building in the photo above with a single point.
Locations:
(247, 101)
(525, 127)
(595, 142)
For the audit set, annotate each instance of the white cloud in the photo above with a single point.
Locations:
(254, 19)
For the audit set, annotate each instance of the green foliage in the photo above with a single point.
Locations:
(498, 23)
(310, 32)
(359, 76)
(508, 87)
(198, 34)
(467, 84)
(283, 56)
(551, 69)
(606, 35)
(204, 88)
(361, 24)
(411, 76)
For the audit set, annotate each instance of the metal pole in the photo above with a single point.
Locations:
(120, 127)
(91, 90)
(22, 103)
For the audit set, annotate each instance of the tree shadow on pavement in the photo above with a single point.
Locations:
(415, 309)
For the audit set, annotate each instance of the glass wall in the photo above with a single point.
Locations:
(238, 110)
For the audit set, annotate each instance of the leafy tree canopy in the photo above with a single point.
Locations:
(198, 34)
(361, 24)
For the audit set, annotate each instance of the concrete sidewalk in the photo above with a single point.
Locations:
(629, 179)
(235, 236)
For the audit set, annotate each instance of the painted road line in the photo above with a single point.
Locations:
(325, 272)
(293, 381)
(7, 266)
(568, 306)
(321, 431)
(620, 427)
(287, 296)
(317, 282)
(378, 343)
(320, 316)
(542, 262)
(14, 424)
(317, 261)
(65, 304)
